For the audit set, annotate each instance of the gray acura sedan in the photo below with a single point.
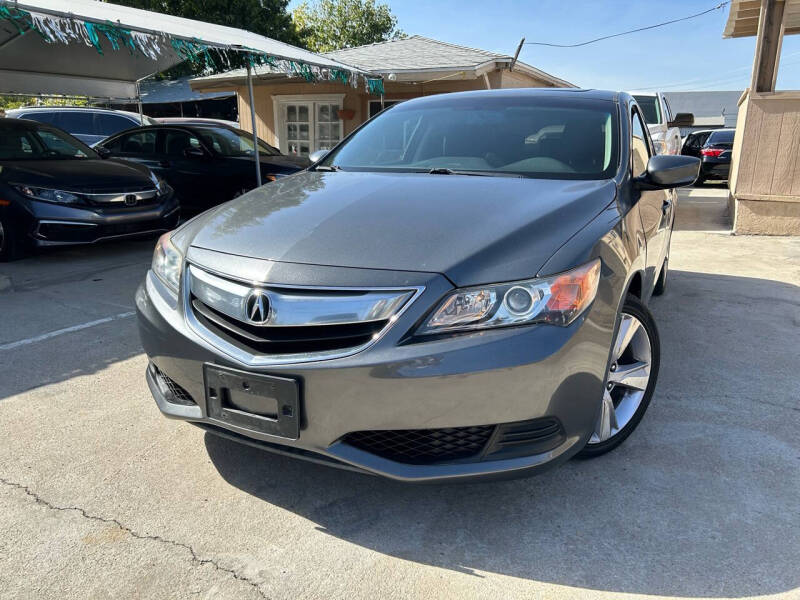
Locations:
(457, 290)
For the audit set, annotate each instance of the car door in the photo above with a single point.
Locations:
(191, 173)
(655, 206)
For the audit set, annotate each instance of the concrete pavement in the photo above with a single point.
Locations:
(101, 497)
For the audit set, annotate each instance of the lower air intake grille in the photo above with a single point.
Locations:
(174, 393)
(423, 446)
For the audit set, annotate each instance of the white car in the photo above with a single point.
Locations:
(660, 121)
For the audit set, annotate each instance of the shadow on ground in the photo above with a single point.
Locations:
(700, 501)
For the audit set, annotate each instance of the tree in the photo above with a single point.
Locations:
(266, 17)
(329, 25)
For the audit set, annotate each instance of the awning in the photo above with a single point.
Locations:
(744, 14)
(84, 47)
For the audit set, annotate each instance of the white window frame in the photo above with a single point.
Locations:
(279, 102)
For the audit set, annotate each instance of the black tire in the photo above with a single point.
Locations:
(11, 246)
(661, 282)
(633, 306)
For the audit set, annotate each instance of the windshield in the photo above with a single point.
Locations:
(25, 143)
(534, 137)
(650, 109)
(232, 142)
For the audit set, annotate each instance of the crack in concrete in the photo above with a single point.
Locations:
(195, 558)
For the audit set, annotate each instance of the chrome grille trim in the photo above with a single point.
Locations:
(366, 303)
(119, 197)
(292, 307)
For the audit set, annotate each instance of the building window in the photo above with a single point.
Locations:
(305, 124)
(375, 106)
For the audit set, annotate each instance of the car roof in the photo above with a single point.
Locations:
(588, 94)
(113, 111)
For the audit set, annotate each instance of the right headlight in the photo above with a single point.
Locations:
(168, 262)
(558, 300)
(47, 194)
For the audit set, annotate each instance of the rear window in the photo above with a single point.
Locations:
(721, 137)
(534, 137)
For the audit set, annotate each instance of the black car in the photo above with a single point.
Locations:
(205, 164)
(55, 190)
(694, 142)
(716, 155)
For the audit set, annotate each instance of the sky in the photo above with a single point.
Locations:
(690, 55)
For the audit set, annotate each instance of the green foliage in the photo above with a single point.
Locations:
(9, 102)
(265, 17)
(327, 25)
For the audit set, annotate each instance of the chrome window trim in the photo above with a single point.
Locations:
(266, 360)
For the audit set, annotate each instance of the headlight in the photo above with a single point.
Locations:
(558, 300)
(168, 262)
(48, 195)
(161, 186)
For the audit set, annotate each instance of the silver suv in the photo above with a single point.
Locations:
(89, 125)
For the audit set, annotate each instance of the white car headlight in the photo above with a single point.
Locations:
(558, 300)
(168, 262)
(47, 194)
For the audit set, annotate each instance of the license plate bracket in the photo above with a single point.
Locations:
(259, 403)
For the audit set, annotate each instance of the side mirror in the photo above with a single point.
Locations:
(102, 151)
(665, 171)
(194, 153)
(682, 120)
(317, 156)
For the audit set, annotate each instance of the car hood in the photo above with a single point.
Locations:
(77, 175)
(471, 229)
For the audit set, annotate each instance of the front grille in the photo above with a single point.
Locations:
(423, 446)
(173, 392)
(259, 339)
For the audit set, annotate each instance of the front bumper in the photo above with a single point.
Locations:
(57, 225)
(503, 376)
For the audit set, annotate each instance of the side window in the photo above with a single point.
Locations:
(108, 124)
(140, 142)
(75, 122)
(667, 111)
(176, 141)
(640, 150)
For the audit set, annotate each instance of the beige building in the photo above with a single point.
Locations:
(300, 117)
(765, 172)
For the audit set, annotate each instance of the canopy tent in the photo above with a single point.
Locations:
(85, 47)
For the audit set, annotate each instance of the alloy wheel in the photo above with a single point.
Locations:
(628, 377)
(2, 237)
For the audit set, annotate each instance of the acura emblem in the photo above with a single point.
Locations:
(130, 200)
(257, 307)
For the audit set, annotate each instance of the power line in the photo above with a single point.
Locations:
(607, 37)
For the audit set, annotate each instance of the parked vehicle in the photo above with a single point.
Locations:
(90, 125)
(437, 299)
(55, 190)
(694, 142)
(716, 156)
(660, 121)
(205, 164)
(196, 121)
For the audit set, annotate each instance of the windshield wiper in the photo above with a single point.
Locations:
(327, 168)
(446, 171)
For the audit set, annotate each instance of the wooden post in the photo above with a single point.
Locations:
(768, 46)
